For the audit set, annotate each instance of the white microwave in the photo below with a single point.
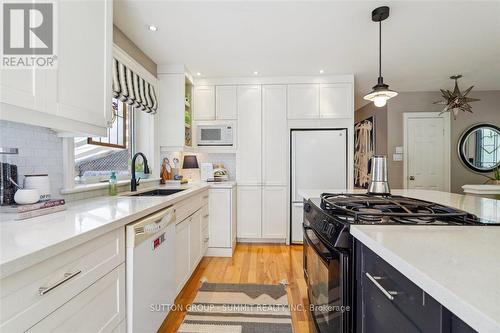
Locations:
(215, 135)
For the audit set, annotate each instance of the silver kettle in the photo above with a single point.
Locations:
(378, 182)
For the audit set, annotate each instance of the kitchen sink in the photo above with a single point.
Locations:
(157, 193)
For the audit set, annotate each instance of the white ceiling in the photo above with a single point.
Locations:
(423, 43)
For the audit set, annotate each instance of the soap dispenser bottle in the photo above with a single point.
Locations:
(112, 187)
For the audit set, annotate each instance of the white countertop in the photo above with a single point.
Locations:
(482, 189)
(27, 242)
(457, 265)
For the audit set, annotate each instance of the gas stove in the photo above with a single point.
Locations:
(392, 209)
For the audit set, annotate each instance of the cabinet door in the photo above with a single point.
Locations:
(249, 212)
(81, 86)
(24, 88)
(274, 211)
(275, 135)
(226, 102)
(303, 101)
(171, 120)
(182, 265)
(195, 241)
(248, 157)
(99, 308)
(204, 103)
(220, 218)
(335, 100)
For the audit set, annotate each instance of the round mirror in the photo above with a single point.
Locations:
(479, 147)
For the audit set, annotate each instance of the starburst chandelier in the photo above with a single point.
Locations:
(456, 100)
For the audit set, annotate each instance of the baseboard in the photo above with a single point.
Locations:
(262, 240)
(219, 252)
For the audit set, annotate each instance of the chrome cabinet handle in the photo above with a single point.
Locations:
(389, 294)
(206, 239)
(205, 197)
(205, 216)
(67, 276)
(412, 177)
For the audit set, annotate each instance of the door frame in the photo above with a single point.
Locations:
(447, 143)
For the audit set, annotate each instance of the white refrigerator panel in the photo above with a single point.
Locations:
(319, 160)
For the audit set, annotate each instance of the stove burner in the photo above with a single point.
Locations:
(371, 209)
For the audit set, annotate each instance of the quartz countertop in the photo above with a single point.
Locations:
(457, 265)
(28, 242)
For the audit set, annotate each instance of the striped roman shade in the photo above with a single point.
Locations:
(132, 89)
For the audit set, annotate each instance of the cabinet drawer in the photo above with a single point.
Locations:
(416, 307)
(24, 302)
(187, 207)
(204, 217)
(204, 198)
(99, 308)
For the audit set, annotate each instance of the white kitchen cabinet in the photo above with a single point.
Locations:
(195, 240)
(99, 308)
(248, 156)
(182, 247)
(76, 96)
(336, 100)
(303, 101)
(274, 135)
(226, 102)
(249, 212)
(274, 212)
(204, 103)
(222, 221)
(220, 218)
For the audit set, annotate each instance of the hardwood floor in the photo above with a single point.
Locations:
(251, 263)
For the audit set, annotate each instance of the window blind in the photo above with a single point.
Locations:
(132, 89)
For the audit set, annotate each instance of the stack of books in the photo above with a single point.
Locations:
(37, 209)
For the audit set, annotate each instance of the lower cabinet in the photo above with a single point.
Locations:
(222, 222)
(262, 212)
(99, 308)
(274, 211)
(182, 256)
(249, 212)
(387, 301)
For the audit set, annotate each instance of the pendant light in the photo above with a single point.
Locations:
(380, 92)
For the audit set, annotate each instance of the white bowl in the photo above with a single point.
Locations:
(25, 197)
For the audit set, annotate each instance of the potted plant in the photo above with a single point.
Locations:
(495, 180)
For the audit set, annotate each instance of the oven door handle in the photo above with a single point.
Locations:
(388, 293)
(326, 258)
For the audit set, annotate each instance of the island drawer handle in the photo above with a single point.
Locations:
(389, 294)
(67, 276)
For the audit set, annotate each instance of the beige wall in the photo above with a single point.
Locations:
(380, 120)
(486, 110)
(128, 46)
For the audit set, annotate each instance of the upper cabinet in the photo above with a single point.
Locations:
(226, 102)
(76, 95)
(336, 100)
(325, 100)
(204, 103)
(303, 101)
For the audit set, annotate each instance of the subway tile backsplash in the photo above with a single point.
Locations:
(40, 152)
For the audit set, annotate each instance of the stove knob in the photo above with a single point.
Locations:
(331, 228)
(307, 208)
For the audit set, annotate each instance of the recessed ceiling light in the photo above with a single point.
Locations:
(152, 27)
(321, 71)
(198, 74)
(255, 73)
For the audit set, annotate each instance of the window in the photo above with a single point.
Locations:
(97, 157)
(117, 134)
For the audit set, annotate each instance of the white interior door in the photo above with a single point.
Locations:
(427, 160)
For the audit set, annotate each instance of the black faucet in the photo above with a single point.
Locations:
(133, 182)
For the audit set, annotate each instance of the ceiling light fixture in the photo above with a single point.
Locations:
(152, 27)
(321, 71)
(380, 92)
(255, 73)
(198, 74)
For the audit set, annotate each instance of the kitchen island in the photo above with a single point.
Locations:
(456, 265)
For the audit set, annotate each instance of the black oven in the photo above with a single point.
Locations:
(327, 273)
